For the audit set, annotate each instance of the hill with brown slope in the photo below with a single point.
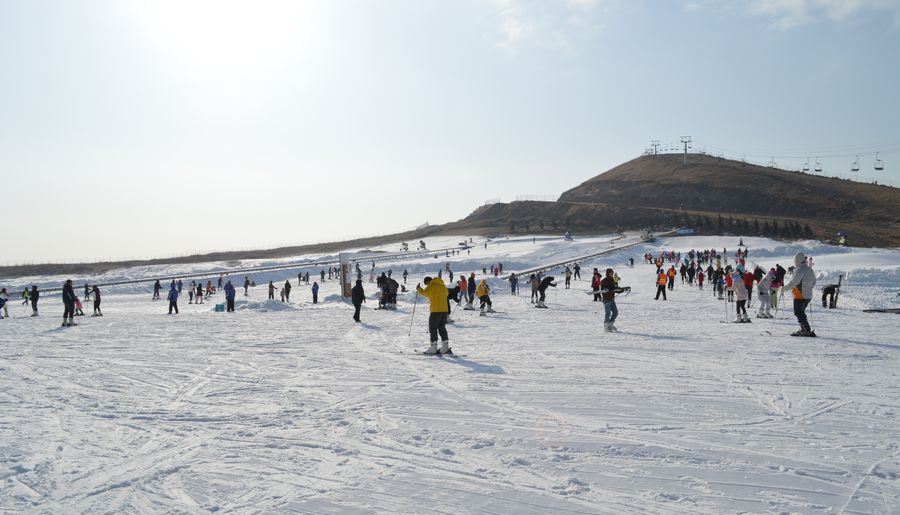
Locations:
(724, 186)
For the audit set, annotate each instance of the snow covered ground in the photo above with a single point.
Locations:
(294, 408)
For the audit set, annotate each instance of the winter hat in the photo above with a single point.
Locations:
(799, 258)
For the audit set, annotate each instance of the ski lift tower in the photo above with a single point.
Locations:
(686, 141)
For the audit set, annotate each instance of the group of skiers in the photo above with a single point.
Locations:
(736, 283)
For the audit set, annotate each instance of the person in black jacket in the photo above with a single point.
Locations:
(96, 292)
(358, 296)
(156, 288)
(35, 295)
(68, 296)
(542, 290)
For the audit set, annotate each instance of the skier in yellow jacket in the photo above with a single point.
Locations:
(483, 292)
(436, 293)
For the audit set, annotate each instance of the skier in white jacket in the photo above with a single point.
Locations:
(801, 285)
(764, 287)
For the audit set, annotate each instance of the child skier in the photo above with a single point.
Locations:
(741, 295)
(483, 292)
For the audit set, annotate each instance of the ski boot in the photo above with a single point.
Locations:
(445, 348)
(746, 319)
(490, 310)
(72, 322)
(613, 327)
(431, 350)
(607, 327)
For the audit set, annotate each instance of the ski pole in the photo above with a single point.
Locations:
(413, 316)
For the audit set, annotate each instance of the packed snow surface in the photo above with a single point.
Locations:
(295, 408)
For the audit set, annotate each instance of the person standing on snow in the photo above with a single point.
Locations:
(595, 284)
(568, 274)
(358, 296)
(156, 288)
(471, 292)
(436, 293)
(34, 296)
(577, 272)
(229, 297)
(801, 285)
(271, 290)
(246, 286)
(405, 275)
(198, 295)
(96, 291)
(68, 298)
(741, 296)
(764, 288)
(661, 278)
(608, 288)
(315, 292)
(513, 283)
(173, 298)
(287, 291)
(4, 299)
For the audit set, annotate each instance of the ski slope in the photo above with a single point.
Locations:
(293, 408)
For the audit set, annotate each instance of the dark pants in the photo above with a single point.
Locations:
(827, 292)
(356, 306)
(287, 295)
(800, 313)
(272, 294)
(437, 324)
(661, 289)
(597, 297)
(671, 283)
(577, 274)
(485, 300)
(542, 294)
(229, 304)
(315, 298)
(173, 304)
(69, 309)
(568, 282)
(741, 307)
(97, 306)
(34, 305)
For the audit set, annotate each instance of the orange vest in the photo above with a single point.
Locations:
(662, 279)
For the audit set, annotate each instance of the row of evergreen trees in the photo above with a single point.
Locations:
(612, 219)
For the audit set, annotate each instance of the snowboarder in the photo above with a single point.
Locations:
(173, 299)
(229, 297)
(609, 288)
(68, 297)
(358, 296)
(801, 285)
(483, 292)
(436, 293)
(315, 292)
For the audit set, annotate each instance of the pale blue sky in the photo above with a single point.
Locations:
(156, 128)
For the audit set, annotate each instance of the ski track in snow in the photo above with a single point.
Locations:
(297, 409)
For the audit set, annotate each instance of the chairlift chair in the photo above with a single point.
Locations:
(879, 164)
(806, 165)
(818, 167)
(855, 166)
